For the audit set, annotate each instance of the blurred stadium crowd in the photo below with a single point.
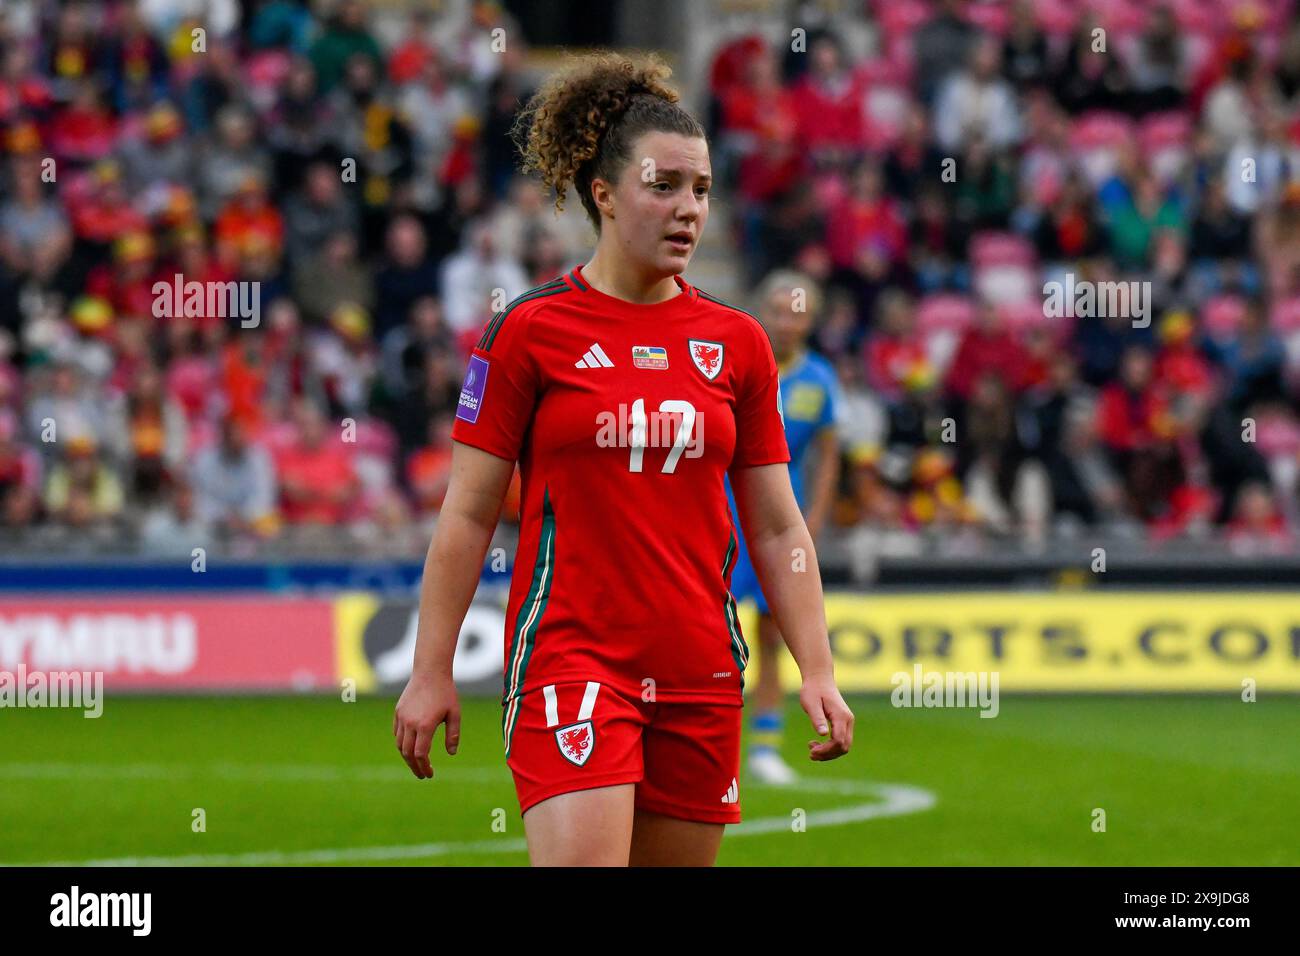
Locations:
(929, 165)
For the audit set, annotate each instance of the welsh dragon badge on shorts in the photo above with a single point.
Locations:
(576, 742)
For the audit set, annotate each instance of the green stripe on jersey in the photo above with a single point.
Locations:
(714, 299)
(490, 333)
(739, 649)
(528, 620)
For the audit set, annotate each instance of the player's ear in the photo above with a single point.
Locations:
(602, 193)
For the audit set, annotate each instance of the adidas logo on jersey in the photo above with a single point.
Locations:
(733, 793)
(594, 357)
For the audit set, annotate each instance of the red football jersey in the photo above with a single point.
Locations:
(624, 419)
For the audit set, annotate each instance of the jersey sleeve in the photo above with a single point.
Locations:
(499, 394)
(760, 419)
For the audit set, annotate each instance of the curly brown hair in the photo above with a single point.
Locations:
(582, 122)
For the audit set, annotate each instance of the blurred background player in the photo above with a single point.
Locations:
(789, 302)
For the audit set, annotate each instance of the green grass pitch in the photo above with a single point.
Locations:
(1183, 780)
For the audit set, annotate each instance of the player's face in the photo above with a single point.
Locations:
(662, 201)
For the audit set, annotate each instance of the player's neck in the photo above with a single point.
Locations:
(616, 279)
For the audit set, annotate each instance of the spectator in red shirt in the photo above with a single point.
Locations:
(127, 281)
(22, 91)
(1258, 527)
(1180, 368)
(428, 470)
(1132, 412)
(1135, 424)
(86, 130)
(987, 348)
(106, 212)
(195, 263)
(760, 118)
(828, 101)
(409, 58)
(868, 226)
(249, 217)
(895, 350)
(243, 377)
(318, 484)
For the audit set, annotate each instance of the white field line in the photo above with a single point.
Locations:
(892, 800)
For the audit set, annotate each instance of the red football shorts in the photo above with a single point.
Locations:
(684, 758)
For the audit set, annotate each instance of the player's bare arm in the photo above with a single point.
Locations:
(451, 574)
(779, 543)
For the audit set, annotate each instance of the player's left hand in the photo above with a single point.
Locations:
(821, 701)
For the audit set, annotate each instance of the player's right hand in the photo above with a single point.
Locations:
(426, 702)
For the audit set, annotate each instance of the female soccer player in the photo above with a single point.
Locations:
(625, 394)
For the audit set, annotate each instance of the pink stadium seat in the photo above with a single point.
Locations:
(989, 249)
(883, 71)
(991, 17)
(1222, 315)
(1286, 316)
(1057, 17)
(268, 68)
(375, 437)
(1166, 140)
(1285, 320)
(886, 107)
(1200, 16)
(1099, 129)
(899, 51)
(1197, 51)
(1022, 316)
(1005, 269)
(1097, 138)
(944, 312)
(278, 436)
(1121, 17)
(901, 17)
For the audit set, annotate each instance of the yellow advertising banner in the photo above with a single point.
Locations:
(1062, 641)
